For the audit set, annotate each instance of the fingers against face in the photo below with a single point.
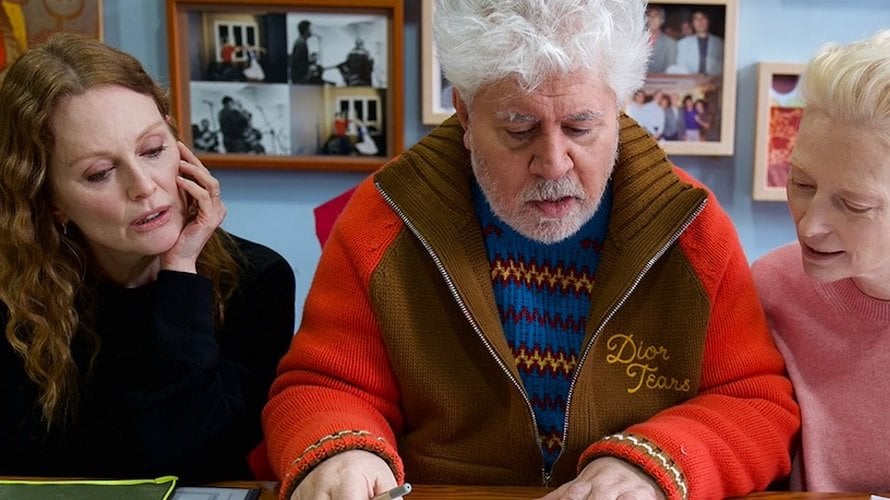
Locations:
(196, 179)
(206, 207)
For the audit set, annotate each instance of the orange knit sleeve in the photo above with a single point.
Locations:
(335, 389)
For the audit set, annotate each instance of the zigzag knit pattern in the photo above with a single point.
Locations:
(543, 297)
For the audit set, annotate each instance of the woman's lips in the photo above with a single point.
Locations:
(152, 221)
(812, 254)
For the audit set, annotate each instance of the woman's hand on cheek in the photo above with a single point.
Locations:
(205, 212)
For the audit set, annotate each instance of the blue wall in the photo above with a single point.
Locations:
(275, 208)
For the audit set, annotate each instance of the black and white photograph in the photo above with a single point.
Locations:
(234, 117)
(341, 50)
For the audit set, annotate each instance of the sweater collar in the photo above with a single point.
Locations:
(846, 297)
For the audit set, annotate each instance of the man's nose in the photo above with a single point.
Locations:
(551, 158)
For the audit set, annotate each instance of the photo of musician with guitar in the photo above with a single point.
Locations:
(236, 117)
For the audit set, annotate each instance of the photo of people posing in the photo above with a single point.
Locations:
(682, 99)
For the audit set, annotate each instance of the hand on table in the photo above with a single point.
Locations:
(351, 475)
(609, 478)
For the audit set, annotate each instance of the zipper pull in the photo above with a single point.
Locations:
(545, 478)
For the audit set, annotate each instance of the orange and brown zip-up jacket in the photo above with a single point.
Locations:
(401, 350)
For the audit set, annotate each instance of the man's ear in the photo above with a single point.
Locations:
(463, 114)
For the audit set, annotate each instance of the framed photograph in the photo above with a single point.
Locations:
(436, 93)
(24, 23)
(688, 99)
(288, 84)
(779, 110)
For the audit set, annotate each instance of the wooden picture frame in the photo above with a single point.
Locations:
(777, 118)
(29, 23)
(677, 76)
(288, 84)
(436, 91)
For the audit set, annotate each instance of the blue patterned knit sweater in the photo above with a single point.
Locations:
(543, 297)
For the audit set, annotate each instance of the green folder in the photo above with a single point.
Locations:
(76, 489)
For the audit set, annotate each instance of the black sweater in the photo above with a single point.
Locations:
(168, 393)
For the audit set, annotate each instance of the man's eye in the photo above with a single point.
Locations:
(520, 134)
(577, 131)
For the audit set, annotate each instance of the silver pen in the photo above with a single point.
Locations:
(397, 492)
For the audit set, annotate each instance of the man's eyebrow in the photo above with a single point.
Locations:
(584, 116)
(514, 117)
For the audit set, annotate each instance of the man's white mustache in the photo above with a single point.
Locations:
(549, 190)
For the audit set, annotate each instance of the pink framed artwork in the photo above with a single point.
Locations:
(779, 111)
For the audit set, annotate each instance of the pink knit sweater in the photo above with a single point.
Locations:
(836, 343)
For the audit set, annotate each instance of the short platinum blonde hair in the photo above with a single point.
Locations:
(485, 41)
(851, 83)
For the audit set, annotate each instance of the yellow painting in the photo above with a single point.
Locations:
(24, 23)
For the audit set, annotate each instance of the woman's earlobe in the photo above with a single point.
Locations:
(60, 217)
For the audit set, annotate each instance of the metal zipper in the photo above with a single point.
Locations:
(612, 312)
(545, 476)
